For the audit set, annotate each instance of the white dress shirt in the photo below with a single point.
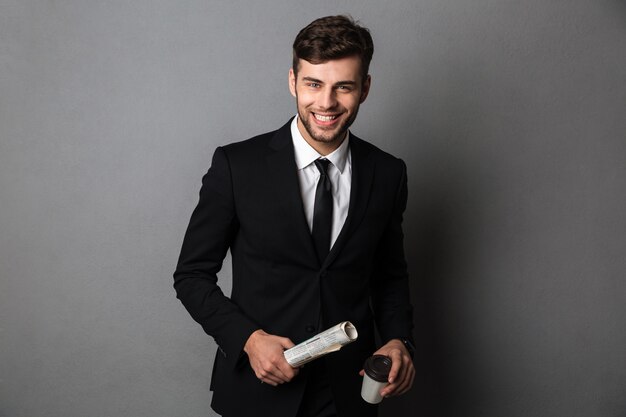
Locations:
(339, 172)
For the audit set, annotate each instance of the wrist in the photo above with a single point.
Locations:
(408, 344)
(404, 344)
(251, 338)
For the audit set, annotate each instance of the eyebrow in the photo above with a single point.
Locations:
(339, 83)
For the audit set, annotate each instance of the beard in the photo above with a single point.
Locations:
(320, 134)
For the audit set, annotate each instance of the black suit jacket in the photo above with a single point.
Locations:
(250, 203)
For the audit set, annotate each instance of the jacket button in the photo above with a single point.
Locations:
(310, 328)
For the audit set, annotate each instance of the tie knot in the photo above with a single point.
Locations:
(322, 165)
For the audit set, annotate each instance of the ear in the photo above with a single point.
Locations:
(292, 82)
(366, 88)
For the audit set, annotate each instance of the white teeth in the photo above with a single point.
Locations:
(324, 118)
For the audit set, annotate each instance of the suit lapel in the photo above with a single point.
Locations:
(283, 173)
(362, 176)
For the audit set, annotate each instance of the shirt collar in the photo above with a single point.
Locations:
(305, 154)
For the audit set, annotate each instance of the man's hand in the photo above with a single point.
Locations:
(402, 370)
(265, 353)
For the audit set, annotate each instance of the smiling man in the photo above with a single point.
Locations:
(312, 216)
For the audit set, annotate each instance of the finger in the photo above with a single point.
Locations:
(409, 383)
(403, 385)
(406, 382)
(276, 376)
(270, 380)
(269, 374)
(397, 381)
(281, 368)
(389, 389)
(285, 372)
(286, 343)
(278, 369)
(396, 365)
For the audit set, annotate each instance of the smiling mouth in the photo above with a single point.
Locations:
(323, 118)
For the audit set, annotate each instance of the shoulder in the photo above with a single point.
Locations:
(254, 147)
(381, 158)
(248, 146)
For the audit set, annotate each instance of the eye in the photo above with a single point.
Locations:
(313, 85)
(345, 88)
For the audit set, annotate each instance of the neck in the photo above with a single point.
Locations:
(323, 148)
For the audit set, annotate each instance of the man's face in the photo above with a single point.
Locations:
(328, 96)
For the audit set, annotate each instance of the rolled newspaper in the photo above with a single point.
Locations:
(330, 340)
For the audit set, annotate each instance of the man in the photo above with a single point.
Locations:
(312, 216)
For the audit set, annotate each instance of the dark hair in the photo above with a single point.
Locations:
(333, 37)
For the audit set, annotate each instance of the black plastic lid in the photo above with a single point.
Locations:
(377, 367)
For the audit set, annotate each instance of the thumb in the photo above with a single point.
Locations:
(286, 343)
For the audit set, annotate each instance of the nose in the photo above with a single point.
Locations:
(327, 99)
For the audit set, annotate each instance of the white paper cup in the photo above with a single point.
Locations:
(376, 376)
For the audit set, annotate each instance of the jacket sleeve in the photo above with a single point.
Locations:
(391, 298)
(212, 229)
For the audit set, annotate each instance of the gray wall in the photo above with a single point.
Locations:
(509, 114)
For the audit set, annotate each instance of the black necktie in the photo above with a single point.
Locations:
(322, 211)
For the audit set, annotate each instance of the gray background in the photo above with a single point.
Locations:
(509, 114)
